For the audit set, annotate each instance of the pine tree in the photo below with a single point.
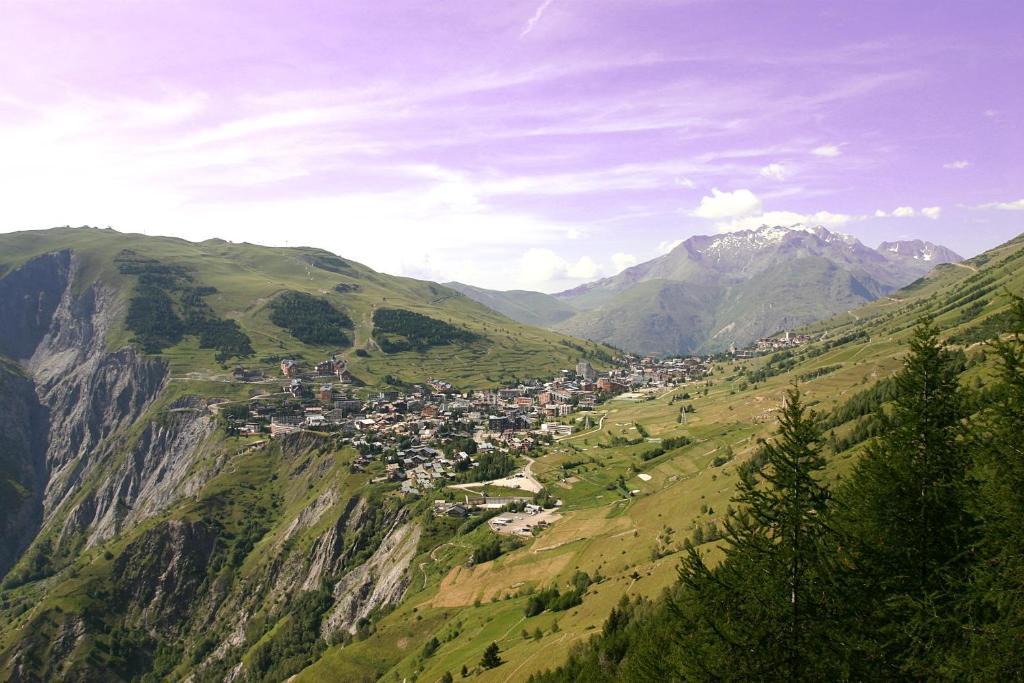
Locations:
(905, 506)
(765, 611)
(491, 657)
(997, 602)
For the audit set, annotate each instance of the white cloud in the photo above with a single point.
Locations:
(826, 151)
(666, 246)
(787, 218)
(957, 165)
(932, 212)
(880, 214)
(774, 171)
(1017, 205)
(621, 261)
(903, 212)
(728, 204)
(535, 18)
(584, 269)
(686, 182)
(544, 268)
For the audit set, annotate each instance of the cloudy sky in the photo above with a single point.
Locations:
(513, 143)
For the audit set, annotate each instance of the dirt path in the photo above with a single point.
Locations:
(543, 651)
(523, 480)
(433, 558)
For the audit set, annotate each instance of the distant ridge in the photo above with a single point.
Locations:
(529, 308)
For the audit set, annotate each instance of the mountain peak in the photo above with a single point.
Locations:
(919, 250)
(766, 237)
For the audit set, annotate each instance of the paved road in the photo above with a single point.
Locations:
(600, 424)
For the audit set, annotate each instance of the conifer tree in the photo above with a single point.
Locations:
(765, 611)
(491, 657)
(906, 508)
(997, 645)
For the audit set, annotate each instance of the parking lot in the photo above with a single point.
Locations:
(523, 523)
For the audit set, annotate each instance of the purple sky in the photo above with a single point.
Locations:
(513, 143)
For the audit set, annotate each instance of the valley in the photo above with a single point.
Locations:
(159, 542)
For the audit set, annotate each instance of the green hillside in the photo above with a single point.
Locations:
(633, 545)
(189, 302)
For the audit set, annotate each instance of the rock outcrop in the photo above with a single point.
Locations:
(378, 583)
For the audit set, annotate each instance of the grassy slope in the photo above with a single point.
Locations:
(604, 533)
(532, 308)
(248, 276)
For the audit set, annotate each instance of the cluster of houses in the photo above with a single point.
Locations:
(411, 430)
(787, 340)
(635, 373)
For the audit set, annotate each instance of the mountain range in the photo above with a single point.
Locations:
(713, 291)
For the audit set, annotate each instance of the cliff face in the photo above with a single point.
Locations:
(379, 582)
(177, 542)
(29, 296)
(161, 574)
(85, 395)
(92, 393)
(22, 464)
(145, 482)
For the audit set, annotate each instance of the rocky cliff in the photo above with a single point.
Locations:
(22, 464)
(136, 538)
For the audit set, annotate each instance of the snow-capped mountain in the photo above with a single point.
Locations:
(919, 250)
(715, 290)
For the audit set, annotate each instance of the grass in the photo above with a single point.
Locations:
(248, 276)
(604, 531)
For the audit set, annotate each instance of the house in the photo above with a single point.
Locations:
(497, 423)
(557, 409)
(585, 371)
(556, 428)
(349, 406)
(458, 510)
(282, 426)
(610, 386)
(289, 368)
(326, 393)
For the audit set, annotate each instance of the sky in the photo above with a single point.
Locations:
(532, 144)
